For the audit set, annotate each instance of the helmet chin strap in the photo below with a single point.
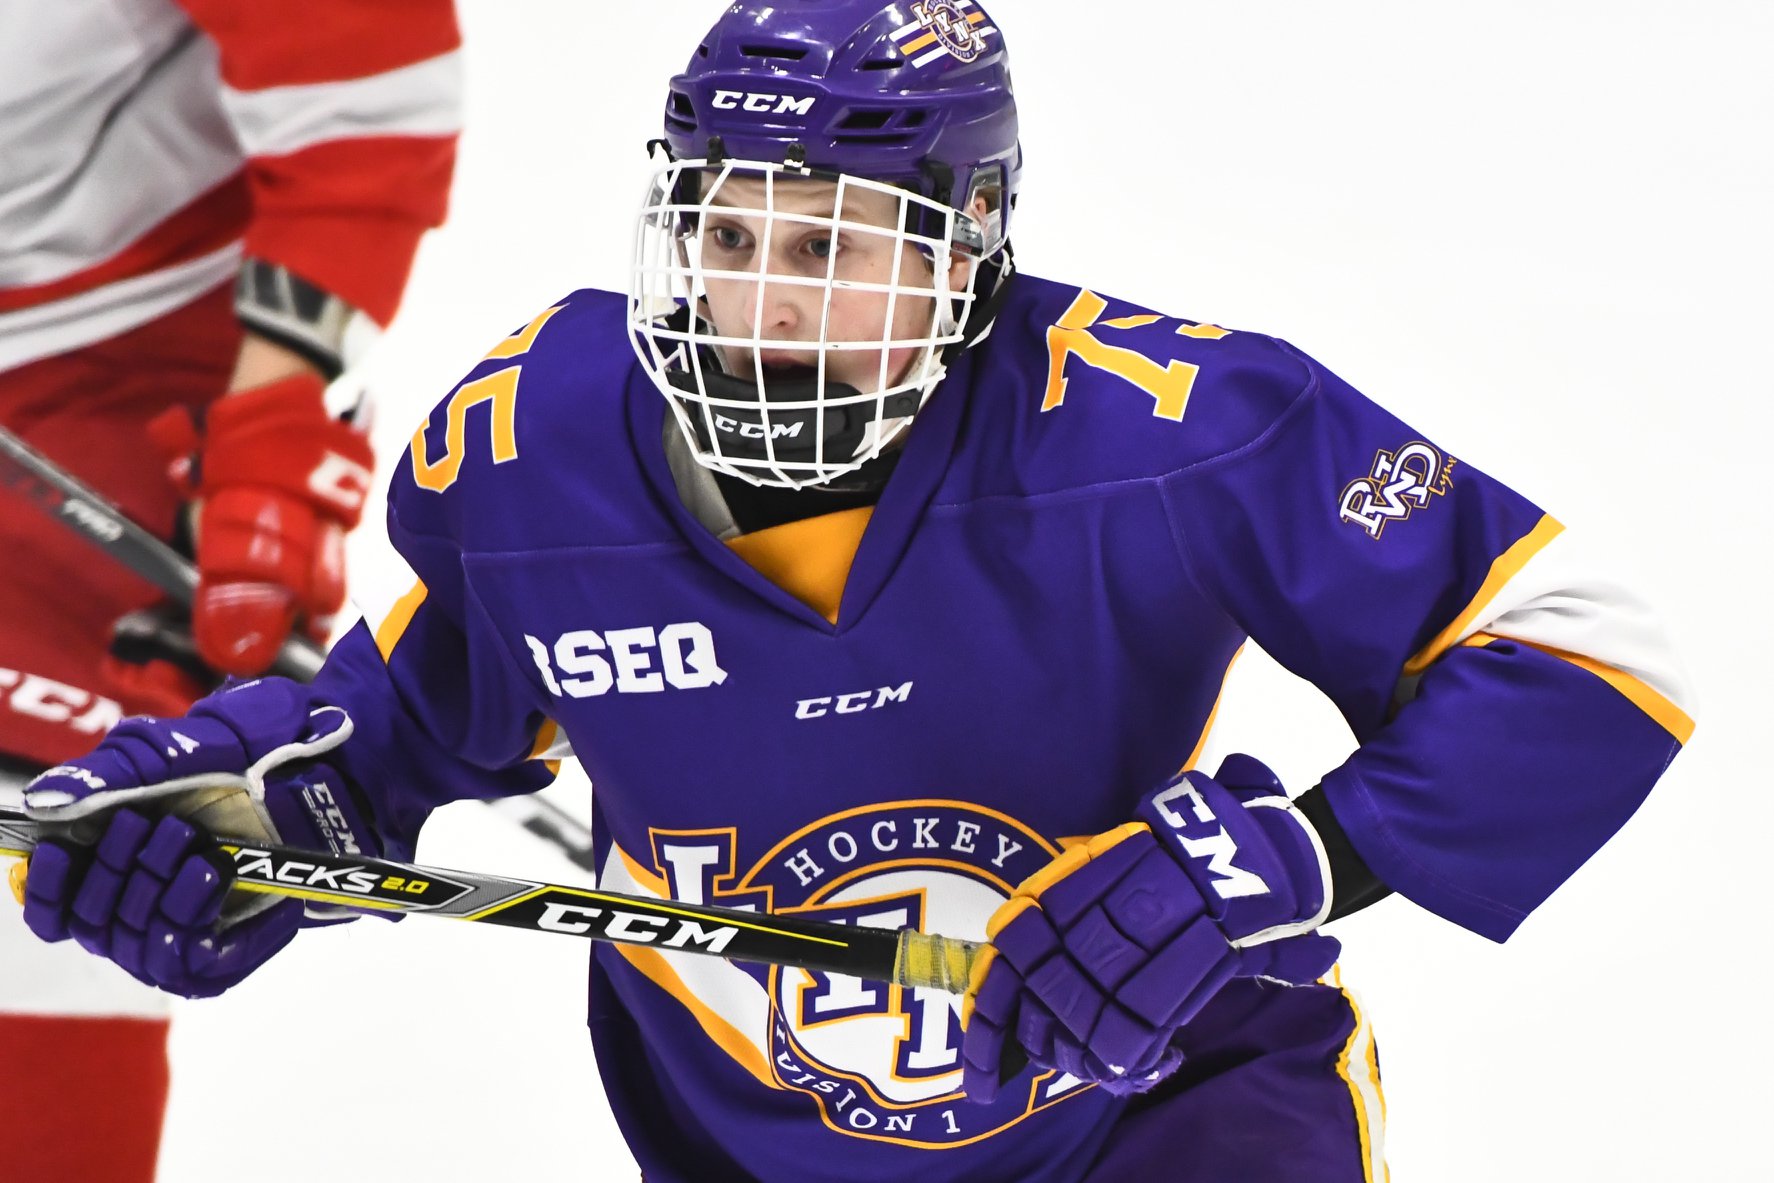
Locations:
(806, 429)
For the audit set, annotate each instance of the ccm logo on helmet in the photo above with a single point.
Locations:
(773, 104)
(585, 664)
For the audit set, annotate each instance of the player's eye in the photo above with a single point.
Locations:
(821, 248)
(727, 238)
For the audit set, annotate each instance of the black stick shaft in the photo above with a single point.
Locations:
(906, 957)
(62, 496)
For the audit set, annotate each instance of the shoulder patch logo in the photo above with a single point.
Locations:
(1399, 482)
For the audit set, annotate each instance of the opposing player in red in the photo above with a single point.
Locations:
(207, 204)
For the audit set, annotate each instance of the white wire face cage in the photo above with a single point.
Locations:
(784, 365)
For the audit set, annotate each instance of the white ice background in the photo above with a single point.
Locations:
(1538, 232)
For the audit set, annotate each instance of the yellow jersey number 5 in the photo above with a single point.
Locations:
(500, 390)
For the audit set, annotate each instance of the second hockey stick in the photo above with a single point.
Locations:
(64, 497)
(905, 957)
(69, 501)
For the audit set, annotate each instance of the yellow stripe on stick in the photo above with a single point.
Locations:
(323, 897)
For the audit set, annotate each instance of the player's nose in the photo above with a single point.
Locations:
(772, 309)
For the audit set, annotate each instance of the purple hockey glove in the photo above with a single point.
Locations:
(149, 897)
(1100, 958)
(139, 880)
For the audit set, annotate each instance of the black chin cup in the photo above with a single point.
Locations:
(738, 432)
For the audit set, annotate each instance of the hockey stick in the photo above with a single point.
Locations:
(67, 499)
(904, 957)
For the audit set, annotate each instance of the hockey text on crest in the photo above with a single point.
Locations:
(585, 663)
(1399, 482)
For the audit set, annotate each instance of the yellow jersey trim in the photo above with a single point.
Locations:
(652, 964)
(1666, 714)
(394, 625)
(809, 559)
(1506, 567)
(1359, 1067)
(1213, 715)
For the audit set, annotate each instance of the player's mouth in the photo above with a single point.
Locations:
(781, 359)
(783, 366)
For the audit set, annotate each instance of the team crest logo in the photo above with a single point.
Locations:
(880, 1061)
(944, 27)
(1399, 483)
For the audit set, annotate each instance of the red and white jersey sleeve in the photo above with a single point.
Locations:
(150, 143)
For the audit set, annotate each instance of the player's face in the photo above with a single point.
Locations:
(860, 258)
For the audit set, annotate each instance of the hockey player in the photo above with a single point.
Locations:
(894, 587)
(200, 197)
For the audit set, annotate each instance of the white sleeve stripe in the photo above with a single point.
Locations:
(1503, 570)
(1553, 599)
(62, 326)
(423, 99)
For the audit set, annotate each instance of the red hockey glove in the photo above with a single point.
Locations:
(278, 482)
(152, 664)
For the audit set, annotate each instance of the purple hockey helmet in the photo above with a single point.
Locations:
(897, 122)
(914, 94)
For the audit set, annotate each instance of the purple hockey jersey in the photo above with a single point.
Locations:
(1094, 511)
